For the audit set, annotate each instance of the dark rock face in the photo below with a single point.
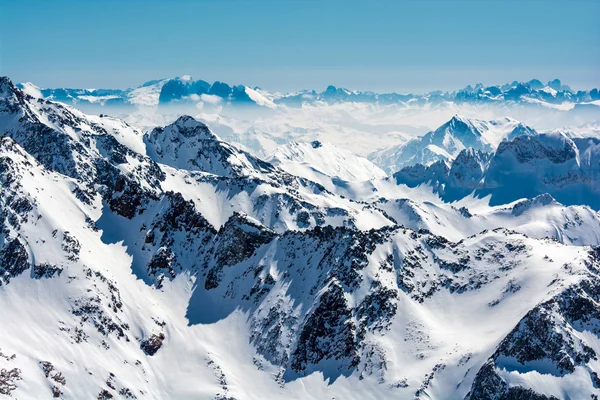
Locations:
(178, 225)
(46, 271)
(328, 333)
(151, 345)
(451, 182)
(15, 207)
(14, 260)
(536, 337)
(8, 380)
(239, 238)
(174, 89)
(178, 89)
(490, 386)
(487, 384)
(378, 307)
(220, 89)
(236, 241)
(552, 147)
(418, 174)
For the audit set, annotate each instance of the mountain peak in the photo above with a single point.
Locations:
(188, 120)
(6, 86)
(459, 118)
(5, 80)
(535, 84)
(191, 127)
(189, 144)
(461, 128)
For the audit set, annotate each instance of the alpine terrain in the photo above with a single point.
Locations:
(167, 261)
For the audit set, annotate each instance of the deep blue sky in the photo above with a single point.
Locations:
(287, 45)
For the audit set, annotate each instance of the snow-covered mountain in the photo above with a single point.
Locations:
(525, 167)
(446, 142)
(184, 89)
(180, 90)
(173, 264)
(189, 144)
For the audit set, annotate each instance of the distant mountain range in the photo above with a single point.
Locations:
(186, 90)
(447, 141)
(566, 168)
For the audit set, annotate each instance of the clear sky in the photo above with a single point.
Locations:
(287, 45)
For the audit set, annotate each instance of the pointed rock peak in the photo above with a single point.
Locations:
(544, 198)
(220, 89)
(461, 123)
(539, 201)
(470, 153)
(316, 144)
(5, 80)
(190, 127)
(471, 156)
(535, 84)
(243, 221)
(555, 84)
(521, 130)
(459, 118)
(188, 120)
(6, 86)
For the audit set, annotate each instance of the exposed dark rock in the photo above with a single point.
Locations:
(14, 260)
(328, 333)
(152, 344)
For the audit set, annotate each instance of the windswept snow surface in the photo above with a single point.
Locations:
(315, 160)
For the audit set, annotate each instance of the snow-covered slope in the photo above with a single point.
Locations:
(540, 217)
(315, 159)
(165, 267)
